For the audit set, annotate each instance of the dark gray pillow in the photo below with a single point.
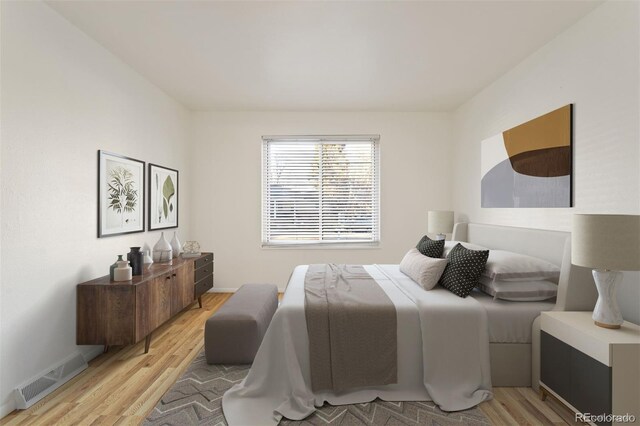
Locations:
(463, 270)
(430, 248)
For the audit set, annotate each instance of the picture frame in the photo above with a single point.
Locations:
(163, 197)
(531, 164)
(121, 194)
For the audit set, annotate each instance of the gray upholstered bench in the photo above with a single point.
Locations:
(234, 333)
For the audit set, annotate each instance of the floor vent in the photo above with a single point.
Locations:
(42, 385)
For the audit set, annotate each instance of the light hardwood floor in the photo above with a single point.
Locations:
(123, 385)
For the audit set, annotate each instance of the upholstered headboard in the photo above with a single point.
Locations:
(576, 289)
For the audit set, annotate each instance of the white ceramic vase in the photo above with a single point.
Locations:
(147, 257)
(162, 251)
(175, 245)
(123, 271)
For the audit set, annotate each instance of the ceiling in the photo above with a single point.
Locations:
(319, 55)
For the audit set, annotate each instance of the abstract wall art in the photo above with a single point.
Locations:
(120, 194)
(163, 198)
(530, 165)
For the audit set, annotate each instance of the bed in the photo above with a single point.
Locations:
(502, 342)
(518, 363)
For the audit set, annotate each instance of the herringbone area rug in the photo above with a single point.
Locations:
(195, 399)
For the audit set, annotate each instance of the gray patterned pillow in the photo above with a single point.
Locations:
(430, 248)
(463, 270)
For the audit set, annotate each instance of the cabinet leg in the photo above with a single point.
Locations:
(106, 349)
(543, 394)
(147, 343)
(200, 301)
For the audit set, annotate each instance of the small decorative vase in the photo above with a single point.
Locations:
(191, 249)
(113, 267)
(147, 257)
(122, 272)
(162, 251)
(136, 260)
(175, 245)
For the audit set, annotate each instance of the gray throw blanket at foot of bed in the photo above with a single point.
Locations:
(352, 329)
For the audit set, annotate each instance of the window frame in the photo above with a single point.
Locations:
(318, 244)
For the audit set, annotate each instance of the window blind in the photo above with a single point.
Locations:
(320, 190)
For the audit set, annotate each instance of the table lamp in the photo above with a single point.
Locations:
(439, 222)
(609, 244)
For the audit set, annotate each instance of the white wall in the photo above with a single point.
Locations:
(415, 166)
(593, 65)
(63, 98)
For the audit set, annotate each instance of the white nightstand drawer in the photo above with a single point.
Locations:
(578, 330)
(590, 367)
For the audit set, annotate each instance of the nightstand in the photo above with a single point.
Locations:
(588, 368)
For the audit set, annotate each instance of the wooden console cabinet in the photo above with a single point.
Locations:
(123, 313)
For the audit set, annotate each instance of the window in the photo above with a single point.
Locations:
(320, 190)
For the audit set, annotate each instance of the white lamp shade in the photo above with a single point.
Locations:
(439, 222)
(604, 241)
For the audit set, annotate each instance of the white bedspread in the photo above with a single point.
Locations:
(443, 355)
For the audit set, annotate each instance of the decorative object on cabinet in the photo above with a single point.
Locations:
(175, 245)
(163, 198)
(590, 369)
(530, 165)
(608, 244)
(111, 313)
(114, 266)
(122, 272)
(162, 251)
(120, 194)
(136, 260)
(147, 257)
(440, 222)
(191, 249)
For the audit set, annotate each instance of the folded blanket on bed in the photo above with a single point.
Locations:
(352, 329)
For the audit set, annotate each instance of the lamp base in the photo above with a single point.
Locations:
(441, 237)
(606, 313)
(599, 324)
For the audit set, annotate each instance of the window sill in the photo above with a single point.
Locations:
(327, 246)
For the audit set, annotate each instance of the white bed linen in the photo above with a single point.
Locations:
(456, 376)
(510, 322)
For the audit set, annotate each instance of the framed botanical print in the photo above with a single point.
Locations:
(163, 197)
(120, 194)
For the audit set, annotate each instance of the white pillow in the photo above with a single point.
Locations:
(518, 291)
(507, 266)
(448, 245)
(424, 270)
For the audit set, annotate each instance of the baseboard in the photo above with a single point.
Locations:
(8, 407)
(222, 290)
(229, 290)
(91, 352)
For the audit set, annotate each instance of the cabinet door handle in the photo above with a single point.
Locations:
(173, 275)
(168, 277)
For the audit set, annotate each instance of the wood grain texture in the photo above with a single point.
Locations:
(122, 386)
(182, 291)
